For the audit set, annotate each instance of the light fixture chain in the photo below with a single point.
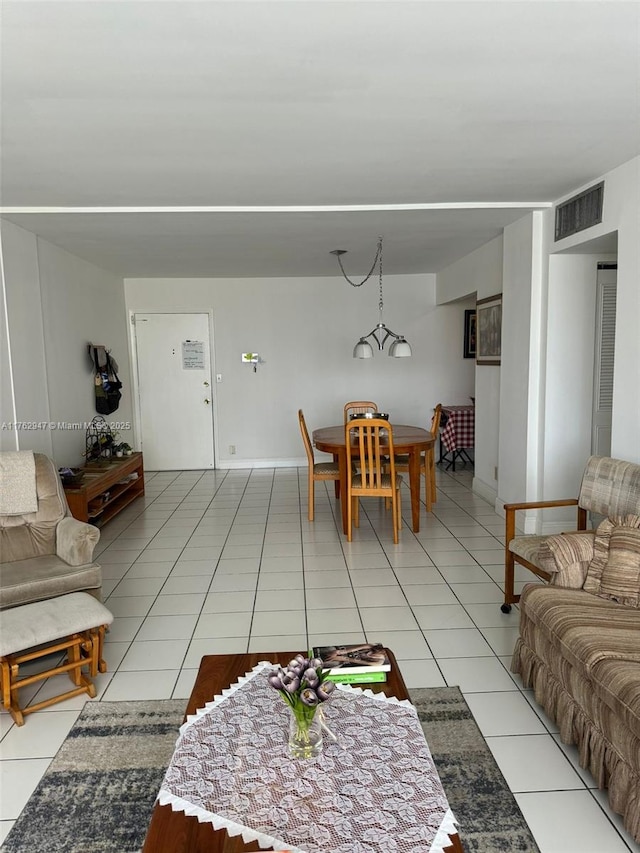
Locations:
(368, 275)
(380, 303)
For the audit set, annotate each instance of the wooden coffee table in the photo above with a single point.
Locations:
(175, 832)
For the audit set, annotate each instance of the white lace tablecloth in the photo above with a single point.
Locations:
(375, 790)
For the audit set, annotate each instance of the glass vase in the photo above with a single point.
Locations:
(305, 733)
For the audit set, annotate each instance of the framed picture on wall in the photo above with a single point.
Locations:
(469, 334)
(489, 330)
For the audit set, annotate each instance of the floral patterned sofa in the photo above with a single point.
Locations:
(579, 649)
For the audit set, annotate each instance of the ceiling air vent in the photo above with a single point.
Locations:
(580, 212)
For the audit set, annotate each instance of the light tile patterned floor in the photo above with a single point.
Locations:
(214, 562)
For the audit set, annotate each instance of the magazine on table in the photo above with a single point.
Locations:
(353, 659)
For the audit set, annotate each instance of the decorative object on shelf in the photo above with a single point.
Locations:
(98, 441)
(469, 334)
(71, 476)
(489, 327)
(380, 333)
(302, 686)
(121, 449)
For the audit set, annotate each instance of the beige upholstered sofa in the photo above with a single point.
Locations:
(48, 552)
(579, 648)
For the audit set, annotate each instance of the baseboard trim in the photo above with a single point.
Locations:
(479, 487)
(233, 464)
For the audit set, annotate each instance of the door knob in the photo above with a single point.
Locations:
(207, 400)
(206, 383)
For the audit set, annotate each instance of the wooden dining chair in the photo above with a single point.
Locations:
(358, 406)
(375, 475)
(427, 462)
(317, 470)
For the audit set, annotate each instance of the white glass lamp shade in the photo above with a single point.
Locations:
(363, 349)
(400, 349)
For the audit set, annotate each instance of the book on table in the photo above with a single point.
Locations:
(367, 661)
(356, 677)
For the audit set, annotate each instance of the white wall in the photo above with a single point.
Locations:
(56, 304)
(305, 330)
(479, 274)
(519, 389)
(570, 358)
(28, 393)
(622, 214)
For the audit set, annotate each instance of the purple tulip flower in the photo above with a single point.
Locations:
(309, 697)
(310, 676)
(276, 681)
(290, 683)
(325, 690)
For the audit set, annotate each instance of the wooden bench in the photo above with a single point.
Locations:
(74, 624)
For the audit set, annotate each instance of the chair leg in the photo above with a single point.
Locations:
(394, 502)
(399, 502)
(430, 477)
(509, 582)
(356, 511)
(311, 497)
(349, 515)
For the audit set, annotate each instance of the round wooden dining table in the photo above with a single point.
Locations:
(410, 440)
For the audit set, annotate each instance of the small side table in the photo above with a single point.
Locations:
(107, 489)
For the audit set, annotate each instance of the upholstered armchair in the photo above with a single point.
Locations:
(610, 488)
(47, 552)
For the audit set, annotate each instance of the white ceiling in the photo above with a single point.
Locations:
(305, 103)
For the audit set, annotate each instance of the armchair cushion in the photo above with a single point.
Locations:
(535, 550)
(38, 578)
(614, 571)
(572, 553)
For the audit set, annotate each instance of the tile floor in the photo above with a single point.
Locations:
(214, 562)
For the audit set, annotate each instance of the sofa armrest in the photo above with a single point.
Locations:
(75, 541)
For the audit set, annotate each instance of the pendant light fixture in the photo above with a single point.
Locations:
(399, 347)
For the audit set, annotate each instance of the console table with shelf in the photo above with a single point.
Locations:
(106, 489)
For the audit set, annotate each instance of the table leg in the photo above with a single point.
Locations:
(336, 484)
(342, 464)
(414, 487)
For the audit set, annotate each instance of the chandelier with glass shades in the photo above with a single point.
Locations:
(380, 333)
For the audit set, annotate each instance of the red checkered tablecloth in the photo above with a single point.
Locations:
(459, 431)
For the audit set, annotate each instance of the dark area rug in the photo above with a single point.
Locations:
(489, 819)
(98, 793)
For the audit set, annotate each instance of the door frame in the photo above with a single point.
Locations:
(133, 354)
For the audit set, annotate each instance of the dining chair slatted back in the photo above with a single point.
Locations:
(371, 469)
(317, 470)
(427, 462)
(356, 407)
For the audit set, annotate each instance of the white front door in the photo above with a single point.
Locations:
(174, 390)
(604, 359)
